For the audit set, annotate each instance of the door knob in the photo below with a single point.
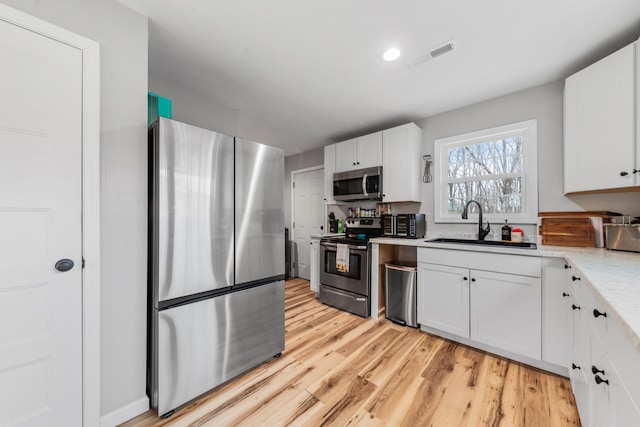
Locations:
(64, 265)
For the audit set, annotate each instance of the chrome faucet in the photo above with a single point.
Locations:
(482, 232)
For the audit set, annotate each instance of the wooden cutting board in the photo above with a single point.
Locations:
(567, 231)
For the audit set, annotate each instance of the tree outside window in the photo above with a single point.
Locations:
(497, 167)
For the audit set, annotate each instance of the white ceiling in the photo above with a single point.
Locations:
(302, 74)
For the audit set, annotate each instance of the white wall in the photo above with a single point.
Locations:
(122, 35)
(190, 107)
(543, 103)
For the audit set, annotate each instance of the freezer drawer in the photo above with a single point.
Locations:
(348, 301)
(205, 343)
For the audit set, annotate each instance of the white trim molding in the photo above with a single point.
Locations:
(126, 413)
(90, 201)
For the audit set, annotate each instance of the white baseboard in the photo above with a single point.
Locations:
(125, 413)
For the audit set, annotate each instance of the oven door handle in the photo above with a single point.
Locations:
(335, 245)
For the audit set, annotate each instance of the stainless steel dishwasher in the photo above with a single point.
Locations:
(400, 290)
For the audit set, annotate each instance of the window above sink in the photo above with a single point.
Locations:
(497, 167)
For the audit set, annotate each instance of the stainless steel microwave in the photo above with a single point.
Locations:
(359, 184)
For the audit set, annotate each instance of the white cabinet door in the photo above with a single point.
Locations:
(506, 312)
(580, 366)
(401, 163)
(625, 412)
(359, 153)
(599, 392)
(346, 155)
(599, 124)
(329, 169)
(369, 151)
(443, 298)
(556, 312)
(315, 265)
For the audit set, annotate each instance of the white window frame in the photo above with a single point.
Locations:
(528, 130)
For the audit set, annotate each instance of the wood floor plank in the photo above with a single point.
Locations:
(343, 370)
(332, 388)
(490, 389)
(561, 402)
(363, 418)
(459, 397)
(396, 394)
(339, 409)
(514, 396)
(409, 343)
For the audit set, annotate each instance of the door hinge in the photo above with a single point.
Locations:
(82, 262)
(294, 224)
(294, 184)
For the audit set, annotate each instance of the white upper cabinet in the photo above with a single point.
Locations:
(401, 163)
(600, 144)
(329, 169)
(397, 150)
(346, 153)
(359, 153)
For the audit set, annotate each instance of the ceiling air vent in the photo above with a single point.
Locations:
(433, 53)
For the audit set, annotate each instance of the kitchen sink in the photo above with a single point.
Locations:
(520, 245)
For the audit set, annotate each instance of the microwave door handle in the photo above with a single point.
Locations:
(364, 186)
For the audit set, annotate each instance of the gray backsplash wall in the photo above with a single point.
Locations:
(545, 104)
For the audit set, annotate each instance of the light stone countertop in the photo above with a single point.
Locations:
(612, 276)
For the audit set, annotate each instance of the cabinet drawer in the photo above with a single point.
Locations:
(626, 359)
(500, 263)
(596, 316)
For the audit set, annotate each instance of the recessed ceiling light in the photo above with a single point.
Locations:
(391, 54)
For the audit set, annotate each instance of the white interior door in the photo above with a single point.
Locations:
(40, 224)
(308, 213)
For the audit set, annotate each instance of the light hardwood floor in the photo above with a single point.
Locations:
(339, 369)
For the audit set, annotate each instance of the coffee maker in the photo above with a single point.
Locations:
(333, 223)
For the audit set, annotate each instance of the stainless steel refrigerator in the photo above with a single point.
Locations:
(216, 260)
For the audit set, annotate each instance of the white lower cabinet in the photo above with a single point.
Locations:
(314, 257)
(492, 299)
(443, 298)
(543, 310)
(556, 311)
(506, 312)
(604, 367)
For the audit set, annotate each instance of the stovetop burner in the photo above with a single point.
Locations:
(358, 231)
(346, 240)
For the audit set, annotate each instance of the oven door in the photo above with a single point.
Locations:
(356, 279)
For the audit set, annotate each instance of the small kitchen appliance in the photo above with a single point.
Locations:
(410, 226)
(360, 184)
(623, 237)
